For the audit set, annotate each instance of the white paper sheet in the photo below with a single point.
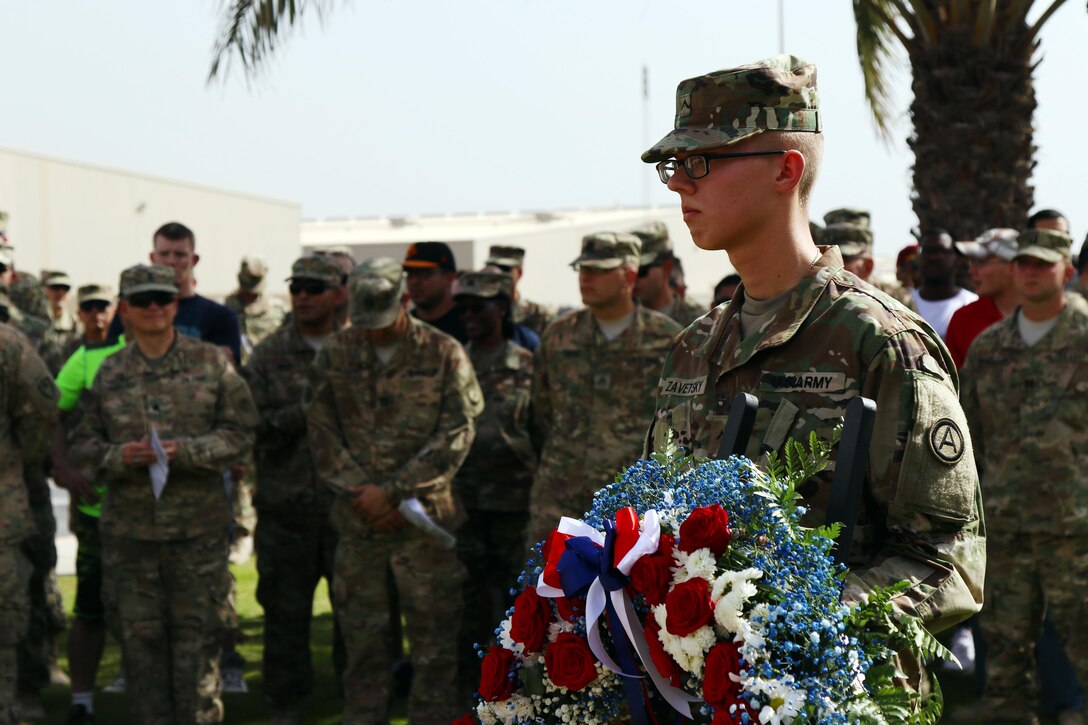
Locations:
(160, 469)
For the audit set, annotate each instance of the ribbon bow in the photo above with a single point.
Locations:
(597, 567)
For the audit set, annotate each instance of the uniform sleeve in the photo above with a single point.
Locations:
(922, 473)
(33, 407)
(541, 422)
(90, 448)
(231, 435)
(432, 468)
(275, 419)
(335, 466)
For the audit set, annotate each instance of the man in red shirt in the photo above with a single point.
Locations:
(991, 270)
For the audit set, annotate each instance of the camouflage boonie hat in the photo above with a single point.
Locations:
(857, 217)
(486, 285)
(251, 274)
(999, 243)
(723, 107)
(94, 293)
(7, 254)
(377, 288)
(1046, 244)
(55, 278)
(608, 250)
(513, 257)
(321, 267)
(851, 239)
(147, 278)
(655, 241)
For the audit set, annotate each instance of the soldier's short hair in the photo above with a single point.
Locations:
(175, 232)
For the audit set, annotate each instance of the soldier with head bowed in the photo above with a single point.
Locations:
(389, 414)
(166, 416)
(657, 262)
(258, 316)
(595, 375)
(805, 337)
(533, 315)
(850, 230)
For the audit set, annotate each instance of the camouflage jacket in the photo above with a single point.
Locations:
(192, 395)
(532, 315)
(498, 472)
(277, 374)
(836, 338)
(684, 312)
(62, 335)
(1028, 411)
(897, 292)
(592, 400)
(28, 414)
(405, 426)
(256, 321)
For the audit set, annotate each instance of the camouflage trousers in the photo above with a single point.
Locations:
(47, 618)
(428, 581)
(168, 597)
(1026, 575)
(491, 545)
(294, 552)
(14, 608)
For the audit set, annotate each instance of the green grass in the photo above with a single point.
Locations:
(323, 706)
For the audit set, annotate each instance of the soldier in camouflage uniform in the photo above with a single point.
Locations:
(656, 262)
(1025, 392)
(258, 316)
(805, 337)
(389, 414)
(164, 557)
(533, 315)
(28, 413)
(295, 539)
(851, 232)
(494, 482)
(64, 326)
(593, 391)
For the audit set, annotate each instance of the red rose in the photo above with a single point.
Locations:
(651, 574)
(706, 527)
(529, 623)
(688, 606)
(495, 680)
(664, 662)
(722, 660)
(569, 662)
(570, 608)
(466, 720)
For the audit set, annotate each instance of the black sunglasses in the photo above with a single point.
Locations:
(146, 299)
(311, 287)
(64, 287)
(93, 305)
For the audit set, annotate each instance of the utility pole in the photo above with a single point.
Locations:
(645, 131)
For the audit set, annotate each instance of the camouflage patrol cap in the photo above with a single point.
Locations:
(851, 239)
(723, 107)
(55, 278)
(94, 293)
(999, 243)
(147, 278)
(513, 257)
(846, 215)
(1048, 245)
(251, 274)
(377, 290)
(321, 267)
(486, 285)
(340, 249)
(608, 250)
(655, 241)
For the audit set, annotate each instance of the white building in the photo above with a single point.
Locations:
(551, 239)
(93, 222)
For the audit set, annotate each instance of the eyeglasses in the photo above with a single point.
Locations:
(146, 299)
(698, 165)
(94, 306)
(310, 287)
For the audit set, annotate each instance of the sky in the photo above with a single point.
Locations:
(415, 107)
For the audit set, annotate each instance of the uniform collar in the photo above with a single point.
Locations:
(1071, 325)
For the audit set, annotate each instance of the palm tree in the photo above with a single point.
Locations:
(251, 30)
(974, 98)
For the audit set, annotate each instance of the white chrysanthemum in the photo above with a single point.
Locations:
(483, 711)
(506, 642)
(699, 563)
(690, 650)
(783, 702)
(732, 590)
(558, 627)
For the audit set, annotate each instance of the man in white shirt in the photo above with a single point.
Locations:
(938, 296)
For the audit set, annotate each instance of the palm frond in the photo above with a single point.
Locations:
(252, 29)
(877, 33)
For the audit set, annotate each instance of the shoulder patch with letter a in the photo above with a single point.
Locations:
(946, 441)
(805, 382)
(683, 386)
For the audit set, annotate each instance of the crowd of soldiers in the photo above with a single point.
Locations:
(406, 430)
